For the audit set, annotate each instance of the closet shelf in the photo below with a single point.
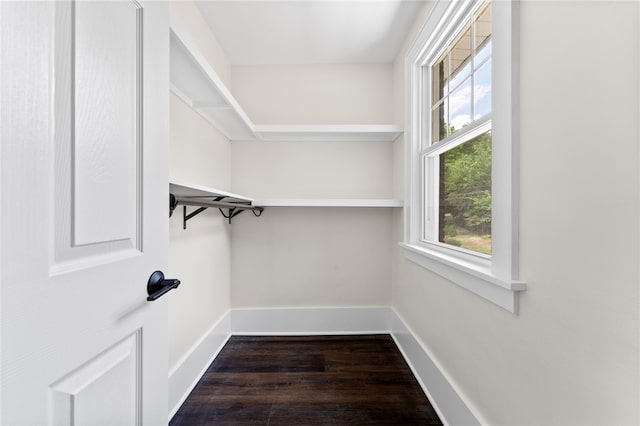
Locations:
(341, 133)
(181, 193)
(186, 189)
(334, 202)
(195, 82)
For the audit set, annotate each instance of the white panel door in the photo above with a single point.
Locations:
(83, 185)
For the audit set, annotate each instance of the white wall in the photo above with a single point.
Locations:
(198, 153)
(304, 257)
(312, 257)
(315, 94)
(312, 169)
(571, 356)
(200, 255)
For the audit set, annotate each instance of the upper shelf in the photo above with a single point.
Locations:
(197, 84)
(347, 133)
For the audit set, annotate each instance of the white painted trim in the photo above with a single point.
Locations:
(444, 397)
(184, 376)
(472, 277)
(315, 321)
(321, 202)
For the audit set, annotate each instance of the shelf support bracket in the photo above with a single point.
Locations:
(233, 212)
(186, 217)
(196, 212)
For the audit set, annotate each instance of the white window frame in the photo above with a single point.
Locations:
(495, 277)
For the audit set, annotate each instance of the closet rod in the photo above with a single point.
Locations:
(234, 208)
(188, 201)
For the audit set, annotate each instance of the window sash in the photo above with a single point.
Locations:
(466, 22)
(430, 185)
(469, 132)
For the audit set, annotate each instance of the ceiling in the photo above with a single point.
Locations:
(310, 31)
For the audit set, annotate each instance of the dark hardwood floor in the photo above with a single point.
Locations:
(315, 380)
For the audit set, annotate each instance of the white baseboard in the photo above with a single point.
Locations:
(318, 321)
(185, 376)
(447, 402)
(292, 321)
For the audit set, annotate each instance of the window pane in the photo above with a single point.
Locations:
(460, 76)
(482, 28)
(465, 195)
(440, 77)
(460, 55)
(440, 121)
(460, 106)
(482, 54)
(482, 91)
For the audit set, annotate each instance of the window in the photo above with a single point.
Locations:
(461, 148)
(457, 142)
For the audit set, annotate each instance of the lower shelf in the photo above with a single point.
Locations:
(186, 189)
(320, 202)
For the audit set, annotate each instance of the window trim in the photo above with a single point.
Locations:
(495, 279)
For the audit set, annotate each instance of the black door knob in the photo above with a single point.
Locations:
(158, 285)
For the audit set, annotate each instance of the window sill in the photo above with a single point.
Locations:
(476, 278)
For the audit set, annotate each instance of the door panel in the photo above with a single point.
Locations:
(83, 185)
(105, 119)
(98, 133)
(79, 398)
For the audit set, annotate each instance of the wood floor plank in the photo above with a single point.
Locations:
(282, 363)
(351, 414)
(308, 380)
